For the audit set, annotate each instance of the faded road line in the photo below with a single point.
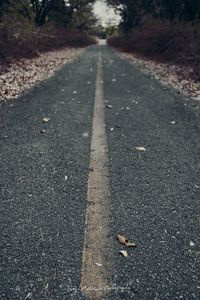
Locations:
(96, 279)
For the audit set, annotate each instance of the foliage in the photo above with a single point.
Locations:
(163, 42)
(133, 12)
(61, 12)
(110, 30)
(31, 26)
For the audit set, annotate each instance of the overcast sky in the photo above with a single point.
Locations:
(105, 13)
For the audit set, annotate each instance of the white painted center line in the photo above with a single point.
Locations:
(97, 265)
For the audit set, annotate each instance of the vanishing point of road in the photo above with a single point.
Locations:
(118, 154)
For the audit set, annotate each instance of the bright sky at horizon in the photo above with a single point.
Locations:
(106, 14)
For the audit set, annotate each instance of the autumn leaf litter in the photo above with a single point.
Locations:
(21, 75)
(168, 74)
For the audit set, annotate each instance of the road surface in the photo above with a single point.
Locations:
(119, 154)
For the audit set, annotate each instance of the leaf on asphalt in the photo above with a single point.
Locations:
(191, 244)
(29, 296)
(121, 239)
(45, 120)
(140, 148)
(124, 253)
(98, 264)
(131, 244)
(124, 241)
(85, 134)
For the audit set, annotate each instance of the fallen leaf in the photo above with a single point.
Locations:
(124, 253)
(29, 295)
(98, 264)
(85, 134)
(191, 244)
(140, 148)
(45, 120)
(131, 244)
(124, 241)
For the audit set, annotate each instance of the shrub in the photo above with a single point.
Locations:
(163, 42)
(21, 39)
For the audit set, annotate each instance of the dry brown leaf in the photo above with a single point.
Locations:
(131, 244)
(124, 241)
(140, 148)
(124, 253)
(98, 264)
(45, 120)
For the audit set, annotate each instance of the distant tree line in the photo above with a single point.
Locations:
(133, 11)
(75, 13)
(31, 27)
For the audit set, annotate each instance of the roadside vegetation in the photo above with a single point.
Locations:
(30, 27)
(163, 31)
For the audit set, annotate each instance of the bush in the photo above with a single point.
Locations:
(164, 42)
(26, 41)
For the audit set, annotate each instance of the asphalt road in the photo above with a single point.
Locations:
(154, 194)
